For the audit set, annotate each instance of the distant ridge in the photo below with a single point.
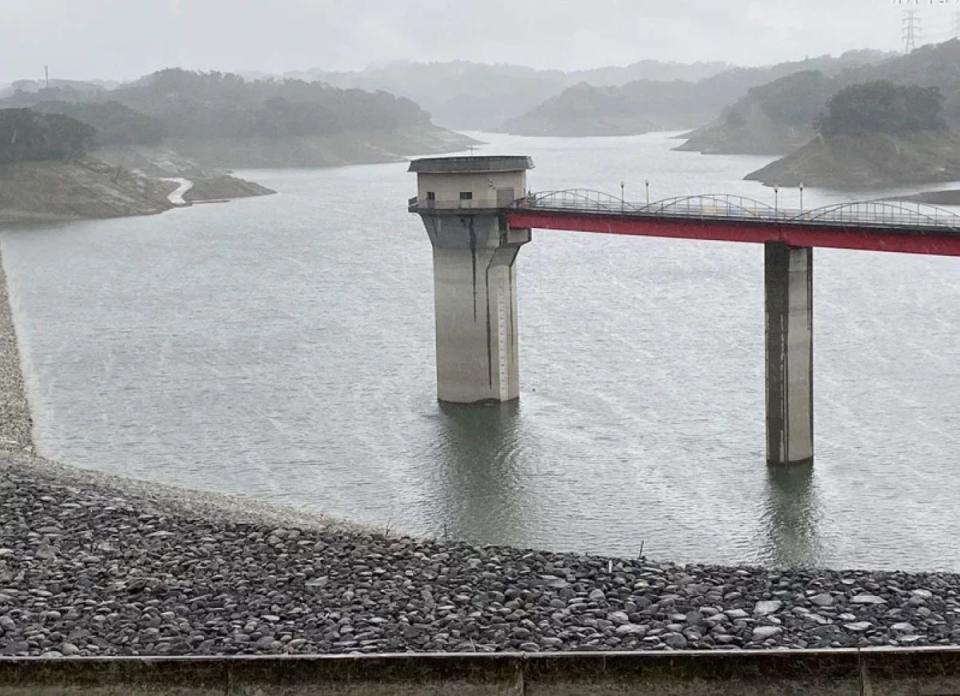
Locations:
(479, 96)
(644, 105)
(223, 120)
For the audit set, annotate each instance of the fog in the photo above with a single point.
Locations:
(123, 39)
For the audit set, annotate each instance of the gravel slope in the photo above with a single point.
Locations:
(15, 420)
(97, 569)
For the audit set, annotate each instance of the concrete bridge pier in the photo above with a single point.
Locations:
(474, 272)
(788, 281)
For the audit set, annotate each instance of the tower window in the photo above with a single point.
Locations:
(431, 196)
(466, 196)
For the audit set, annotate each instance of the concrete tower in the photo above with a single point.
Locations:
(460, 200)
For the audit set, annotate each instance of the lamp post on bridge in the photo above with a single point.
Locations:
(801, 197)
(622, 206)
(776, 201)
(646, 184)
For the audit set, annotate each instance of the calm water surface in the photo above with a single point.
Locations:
(282, 347)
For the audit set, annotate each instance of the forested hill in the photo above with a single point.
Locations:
(218, 105)
(28, 136)
(463, 94)
(224, 120)
(780, 116)
(771, 119)
(645, 105)
(874, 135)
(114, 123)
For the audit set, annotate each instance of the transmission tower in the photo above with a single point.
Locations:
(911, 30)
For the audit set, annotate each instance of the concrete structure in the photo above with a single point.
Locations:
(474, 273)
(842, 672)
(788, 282)
(476, 223)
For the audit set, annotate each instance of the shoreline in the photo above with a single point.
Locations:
(130, 181)
(15, 420)
(93, 564)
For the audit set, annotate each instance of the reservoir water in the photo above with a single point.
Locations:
(282, 347)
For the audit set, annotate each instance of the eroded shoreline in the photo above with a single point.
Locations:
(93, 564)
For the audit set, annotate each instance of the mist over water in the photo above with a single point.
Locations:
(282, 347)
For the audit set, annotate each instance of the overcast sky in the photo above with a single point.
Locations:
(123, 39)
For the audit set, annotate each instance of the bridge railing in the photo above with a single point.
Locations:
(872, 213)
(881, 213)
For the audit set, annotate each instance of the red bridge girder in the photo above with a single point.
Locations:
(798, 234)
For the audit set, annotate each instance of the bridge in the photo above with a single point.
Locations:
(876, 225)
(478, 213)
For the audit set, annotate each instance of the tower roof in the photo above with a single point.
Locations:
(471, 165)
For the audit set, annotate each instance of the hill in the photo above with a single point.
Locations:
(114, 123)
(29, 136)
(586, 110)
(759, 123)
(872, 161)
(771, 119)
(45, 191)
(466, 95)
(644, 105)
(873, 135)
(225, 121)
(48, 174)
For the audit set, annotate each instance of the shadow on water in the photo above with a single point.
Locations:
(790, 523)
(477, 485)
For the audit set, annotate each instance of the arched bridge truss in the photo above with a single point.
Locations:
(870, 213)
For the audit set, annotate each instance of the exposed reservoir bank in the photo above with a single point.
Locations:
(217, 349)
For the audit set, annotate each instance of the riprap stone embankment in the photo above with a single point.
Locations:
(93, 568)
(15, 423)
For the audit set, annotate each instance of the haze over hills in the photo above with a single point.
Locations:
(461, 94)
(780, 116)
(222, 120)
(81, 150)
(181, 123)
(645, 105)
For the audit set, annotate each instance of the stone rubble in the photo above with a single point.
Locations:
(93, 569)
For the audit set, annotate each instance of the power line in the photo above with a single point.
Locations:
(910, 30)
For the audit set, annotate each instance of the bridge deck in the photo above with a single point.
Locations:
(871, 225)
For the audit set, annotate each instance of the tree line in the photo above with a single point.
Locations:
(882, 107)
(216, 105)
(27, 135)
(179, 103)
